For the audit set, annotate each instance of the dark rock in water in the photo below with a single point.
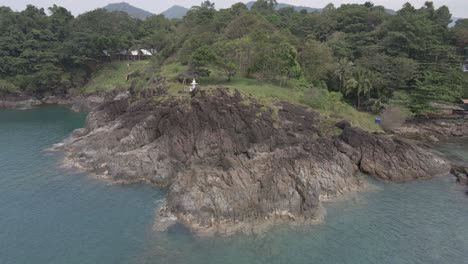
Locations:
(461, 173)
(392, 158)
(230, 163)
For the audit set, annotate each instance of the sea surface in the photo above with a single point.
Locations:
(52, 215)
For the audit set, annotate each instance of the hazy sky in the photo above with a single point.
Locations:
(459, 8)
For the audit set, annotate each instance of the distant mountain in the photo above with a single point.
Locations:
(309, 9)
(283, 5)
(175, 12)
(298, 8)
(132, 11)
(390, 11)
(454, 21)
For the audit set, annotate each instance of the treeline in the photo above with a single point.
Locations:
(52, 52)
(371, 57)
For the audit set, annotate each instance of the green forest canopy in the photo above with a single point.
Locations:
(371, 57)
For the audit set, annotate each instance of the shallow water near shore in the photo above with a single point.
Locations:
(52, 215)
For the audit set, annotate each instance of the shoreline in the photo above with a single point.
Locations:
(211, 189)
(334, 174)
(226, 227)
(80, 103)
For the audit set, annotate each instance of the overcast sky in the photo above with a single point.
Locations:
(459, 8)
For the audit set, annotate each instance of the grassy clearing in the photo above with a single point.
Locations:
(264, 92)
(363, 120)
(330, 105)
(172, 70)
(114, 75)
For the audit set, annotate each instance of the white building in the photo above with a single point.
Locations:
(146, 52)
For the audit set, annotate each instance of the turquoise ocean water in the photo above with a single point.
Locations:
(53, 215)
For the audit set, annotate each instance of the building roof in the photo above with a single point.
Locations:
(146, 52)
(134, 52)
(446, 107)
(465, 101)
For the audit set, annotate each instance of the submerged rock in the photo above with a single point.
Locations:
(231, 164)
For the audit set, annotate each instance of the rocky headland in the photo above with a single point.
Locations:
(231, 164)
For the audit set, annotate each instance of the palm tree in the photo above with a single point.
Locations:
(360, 84)
(376, 104)
(343, 71)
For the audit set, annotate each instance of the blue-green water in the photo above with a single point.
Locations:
(51, 215)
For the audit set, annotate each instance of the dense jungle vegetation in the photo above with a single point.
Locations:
(361, 53)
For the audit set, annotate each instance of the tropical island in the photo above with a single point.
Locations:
(284, 116)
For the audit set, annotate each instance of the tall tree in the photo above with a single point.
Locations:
(316, 60)
(359, 85)
(342, 73)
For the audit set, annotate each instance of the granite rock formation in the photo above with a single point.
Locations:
(230, 163)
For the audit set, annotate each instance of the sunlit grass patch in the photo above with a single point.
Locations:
(113, 75)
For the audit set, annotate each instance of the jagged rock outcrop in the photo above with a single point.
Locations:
(391, 158)
(230, 163)
(461, 173)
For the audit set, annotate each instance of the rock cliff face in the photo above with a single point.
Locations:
(391, 158)
(231, 164)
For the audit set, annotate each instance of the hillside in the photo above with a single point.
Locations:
(309, 9)
(353, 54)
(454, 21)
(175, 11)
(113, 75)
(132, 11)
(178, 12)
(298, 8)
